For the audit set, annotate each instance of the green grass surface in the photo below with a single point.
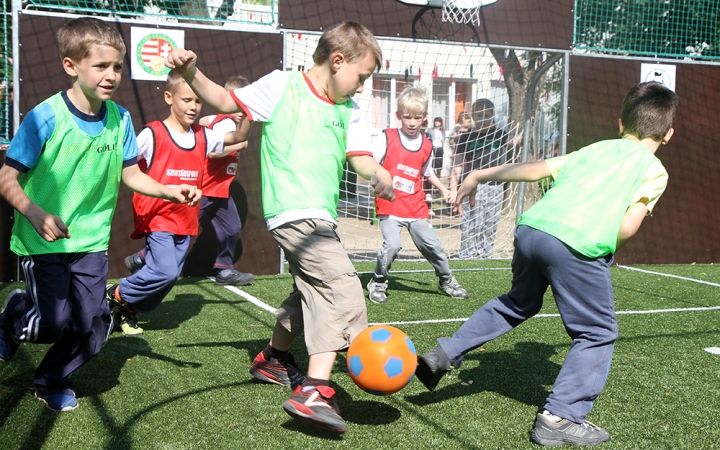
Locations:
(185, 383)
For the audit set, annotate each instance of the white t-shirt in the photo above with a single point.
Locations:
(215, 141)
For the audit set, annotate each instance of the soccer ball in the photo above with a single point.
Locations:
(381, 360)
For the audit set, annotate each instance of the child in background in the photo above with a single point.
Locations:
(61, 174)
(217, 204)
(172, 151)
(567, 240)
(311, 126)
(407, 154)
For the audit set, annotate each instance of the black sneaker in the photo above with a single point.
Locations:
(231, 277)
(134, 262)
(549, 433)
(284, 373)
(8, 343)
(432, 366)
(316, 406)
(113, 304)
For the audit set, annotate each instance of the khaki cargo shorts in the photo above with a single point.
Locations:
(327, 303)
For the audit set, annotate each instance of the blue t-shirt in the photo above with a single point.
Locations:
(37, 127)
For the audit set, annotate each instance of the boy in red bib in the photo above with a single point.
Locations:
(172, 152)
(407, 154)
(217, 205)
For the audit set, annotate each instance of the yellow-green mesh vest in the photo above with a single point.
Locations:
(76, 178)
(590, 196)
(303, 151)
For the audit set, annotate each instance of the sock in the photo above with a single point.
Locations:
(311, 383)
(271, 352)
(552, 417)
(126, 306)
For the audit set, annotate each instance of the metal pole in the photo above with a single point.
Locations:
(16, 8)
(529, 103)
(565, 107)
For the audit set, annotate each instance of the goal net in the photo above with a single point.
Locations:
(466, 87)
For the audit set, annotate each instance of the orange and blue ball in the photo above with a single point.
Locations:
(381, 360)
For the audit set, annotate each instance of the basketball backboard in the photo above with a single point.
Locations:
(463, 4)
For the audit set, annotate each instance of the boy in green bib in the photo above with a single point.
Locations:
(599, 197)
(311, 125)
(61, 174)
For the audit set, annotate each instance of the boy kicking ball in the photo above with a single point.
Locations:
(599, 198)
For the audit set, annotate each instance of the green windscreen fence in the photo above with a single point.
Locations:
(660, 28)
(256, 12)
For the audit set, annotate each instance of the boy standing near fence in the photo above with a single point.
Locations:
(567, 240)
(408, 155)
(171, 151)
(61, 174)
(217, 204)
(311, 126)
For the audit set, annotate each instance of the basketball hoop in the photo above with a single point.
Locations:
(463, 11)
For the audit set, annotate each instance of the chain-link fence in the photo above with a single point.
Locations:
(688, 29)
(220, 12)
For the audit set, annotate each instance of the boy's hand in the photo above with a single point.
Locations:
(382, 185)
(49, 227)
(467, 189)
(184, 193)
(181, 60)
(450, 196)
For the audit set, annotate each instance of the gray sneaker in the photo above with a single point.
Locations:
(452, 288)
(549, 433)
(432, 366)
(377, 292)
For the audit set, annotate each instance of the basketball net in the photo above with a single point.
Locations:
(462, 11)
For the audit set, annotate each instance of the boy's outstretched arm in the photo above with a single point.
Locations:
(379, 177)
(48, 226)
(137, 181)
(435, 181)
(631, 222)
(531, 171)
(212, 94)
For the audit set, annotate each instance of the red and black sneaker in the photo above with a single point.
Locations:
(284, 373)
(316, 406)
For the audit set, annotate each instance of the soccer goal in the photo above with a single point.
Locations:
(501, 83)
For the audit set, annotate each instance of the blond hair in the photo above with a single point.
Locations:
(236, 82)
(76, 38)
(349, 38)
(174, 80)
(412, 100)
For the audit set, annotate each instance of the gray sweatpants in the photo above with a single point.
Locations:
(584, 297)
(425, 240)
(479, 222)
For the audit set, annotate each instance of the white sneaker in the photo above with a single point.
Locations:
(452, 288)
(377, 292)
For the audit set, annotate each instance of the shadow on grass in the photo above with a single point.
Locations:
(521, 375)
(399, 283)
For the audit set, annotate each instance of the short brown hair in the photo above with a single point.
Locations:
(174, 80)
(76, 37)
(236, 82)
(349, 38)
(648, 110)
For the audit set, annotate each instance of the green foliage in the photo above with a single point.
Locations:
(678, 28)
(185, 383)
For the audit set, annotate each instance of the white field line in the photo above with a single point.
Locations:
(694, 280)
(266, 307)
(433, 270)
(254, 300)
